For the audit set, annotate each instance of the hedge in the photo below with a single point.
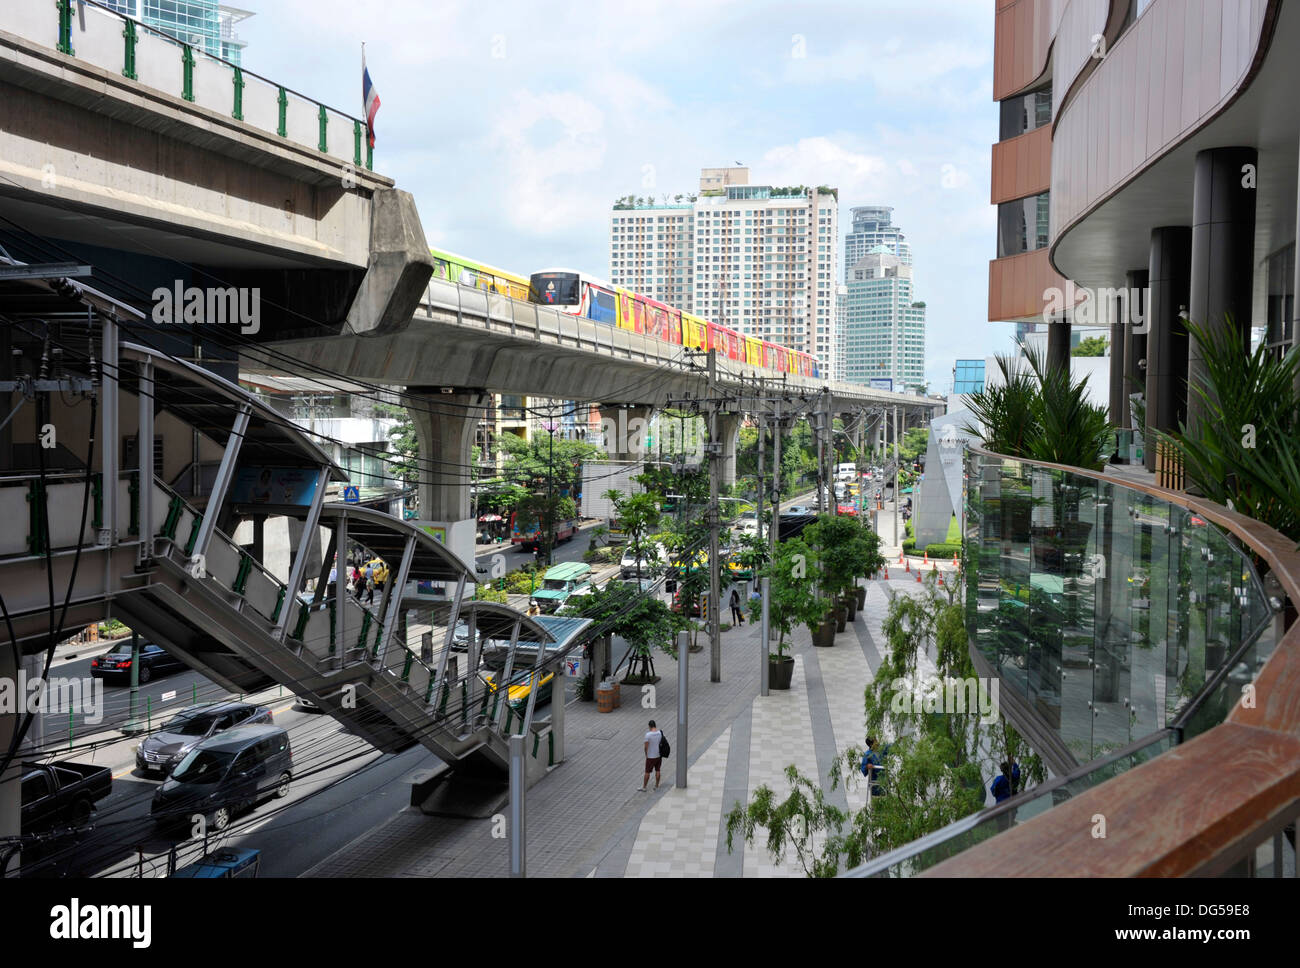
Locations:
(942, 550)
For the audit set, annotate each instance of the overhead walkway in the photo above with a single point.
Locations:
(167, 565)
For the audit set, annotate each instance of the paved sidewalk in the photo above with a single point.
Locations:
(589, 818)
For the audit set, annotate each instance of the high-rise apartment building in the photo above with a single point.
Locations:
(884, 327)
(871, 228)
(205, 24)
(841, 320)
(757, 258)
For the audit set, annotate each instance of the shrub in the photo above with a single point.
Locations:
(942, 550)
(909, 546)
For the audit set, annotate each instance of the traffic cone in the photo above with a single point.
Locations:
(918, 576)
(900, 557)
(927, 557)
(886, 574)
(956, 560)
(908, 569)
(941, 581)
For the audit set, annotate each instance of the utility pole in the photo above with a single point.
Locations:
(898, 498)
(762, 433)
(715, 448)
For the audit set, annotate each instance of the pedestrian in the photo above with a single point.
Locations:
(872, 767)
(369, 575)
(1007, 783)
(1005, 786)
(356, 581)
(653, 758)
(737, 617)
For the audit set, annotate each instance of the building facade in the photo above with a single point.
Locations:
(871, 227)
(756, 258)
(205, 24)
(1181, 207)
(884, 325)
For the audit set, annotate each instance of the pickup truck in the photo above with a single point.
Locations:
(62, 794)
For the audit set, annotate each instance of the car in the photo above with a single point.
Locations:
(163, 751)
(224, 862)
(798, 509)
(116, 662)
(639, 585)
(517, 695)
(652, 560)
(224, 774)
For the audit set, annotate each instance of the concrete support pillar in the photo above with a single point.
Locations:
(1058, 345)
(444, 426)
(626, 429)
(1223, 256)
(1135, 340)
(728, 433)
(1166, 377)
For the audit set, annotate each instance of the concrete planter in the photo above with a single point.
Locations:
(862, 596)
(824, 637)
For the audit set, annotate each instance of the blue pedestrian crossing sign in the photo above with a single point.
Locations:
(351, 494)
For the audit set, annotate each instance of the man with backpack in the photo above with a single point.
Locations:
(656, 748)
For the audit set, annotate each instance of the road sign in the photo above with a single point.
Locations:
(351, 494)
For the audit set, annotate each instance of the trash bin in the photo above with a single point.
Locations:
(605, 698)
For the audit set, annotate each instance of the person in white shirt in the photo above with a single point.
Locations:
(652, 758)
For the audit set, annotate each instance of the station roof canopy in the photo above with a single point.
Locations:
(385, 537)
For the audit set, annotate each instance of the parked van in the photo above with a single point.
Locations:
(225, 773)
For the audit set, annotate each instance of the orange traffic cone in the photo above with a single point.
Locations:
(918, 576)
(927, 557)
(955, 559)
(900, 557)
(908, 569)
(941, 581)
(886, 574)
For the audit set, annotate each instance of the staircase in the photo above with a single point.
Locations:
(221, 619)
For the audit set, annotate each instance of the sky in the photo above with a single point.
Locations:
(516, 125)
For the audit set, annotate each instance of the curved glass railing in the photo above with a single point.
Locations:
(1123, 622)
(1107, 609)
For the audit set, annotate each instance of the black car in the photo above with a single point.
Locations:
(164, 750)
(116, 662)
(224, 774)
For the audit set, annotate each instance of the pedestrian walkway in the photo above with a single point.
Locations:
(589, 818)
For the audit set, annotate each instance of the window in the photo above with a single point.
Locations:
(1026, 112)
(1023, 225)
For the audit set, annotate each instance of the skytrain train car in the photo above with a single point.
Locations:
(477, 275)
(579, 294)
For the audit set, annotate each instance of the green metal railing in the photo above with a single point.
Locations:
(189, 57)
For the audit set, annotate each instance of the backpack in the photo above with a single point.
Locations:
(664, 749)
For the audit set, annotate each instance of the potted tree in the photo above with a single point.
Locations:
(790, 603)
(836, 539)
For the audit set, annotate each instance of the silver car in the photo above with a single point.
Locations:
(159, 754)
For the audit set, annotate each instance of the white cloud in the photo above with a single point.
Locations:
(546, 143)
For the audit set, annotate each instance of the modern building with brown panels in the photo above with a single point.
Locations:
(1148, 154)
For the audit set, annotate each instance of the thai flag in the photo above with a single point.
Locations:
(371, 98)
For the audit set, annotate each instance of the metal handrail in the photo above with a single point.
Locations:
(220, 60)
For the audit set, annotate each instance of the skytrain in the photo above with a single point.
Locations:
(579, 294)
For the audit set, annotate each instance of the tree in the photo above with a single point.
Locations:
(790, 600)
(640, 619)
(639, 515)
(936, 754)
(1091, 346)
(405, 445)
